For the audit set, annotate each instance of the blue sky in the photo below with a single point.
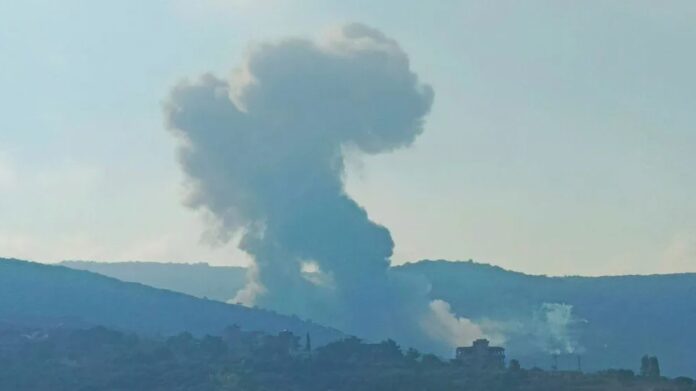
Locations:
(561, 138)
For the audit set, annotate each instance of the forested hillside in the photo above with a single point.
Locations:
(42, 295)
(102, 359)
(615, 319)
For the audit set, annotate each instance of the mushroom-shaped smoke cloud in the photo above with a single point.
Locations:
(263, 153)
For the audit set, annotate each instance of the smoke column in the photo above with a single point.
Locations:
(559, 328)
(263, 153)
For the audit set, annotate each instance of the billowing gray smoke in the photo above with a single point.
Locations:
(264, 153)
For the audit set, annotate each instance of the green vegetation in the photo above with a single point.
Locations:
(625, 314)
(44, 295)
(103, 359)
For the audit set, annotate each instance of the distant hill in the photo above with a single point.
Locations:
(198, 279)
(619, 318)
(37, 294)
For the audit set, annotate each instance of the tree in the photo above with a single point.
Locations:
(412, 355)
(514, 365)
(431, 361)
(388, 350)
(654, 367)
(649, 367)
(644, 365)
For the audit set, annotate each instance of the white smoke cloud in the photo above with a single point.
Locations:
(557, 328)
(312, 272)
(552, 328)
(247, 295)
(443, 324)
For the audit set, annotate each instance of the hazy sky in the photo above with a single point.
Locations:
(562, 138)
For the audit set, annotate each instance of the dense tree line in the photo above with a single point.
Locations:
(103, 359)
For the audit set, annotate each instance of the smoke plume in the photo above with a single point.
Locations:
(558, 328)
(442, 324)
(263, 153)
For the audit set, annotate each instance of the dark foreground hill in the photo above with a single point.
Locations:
(613, 320)
(102, 359)
(33, 294)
